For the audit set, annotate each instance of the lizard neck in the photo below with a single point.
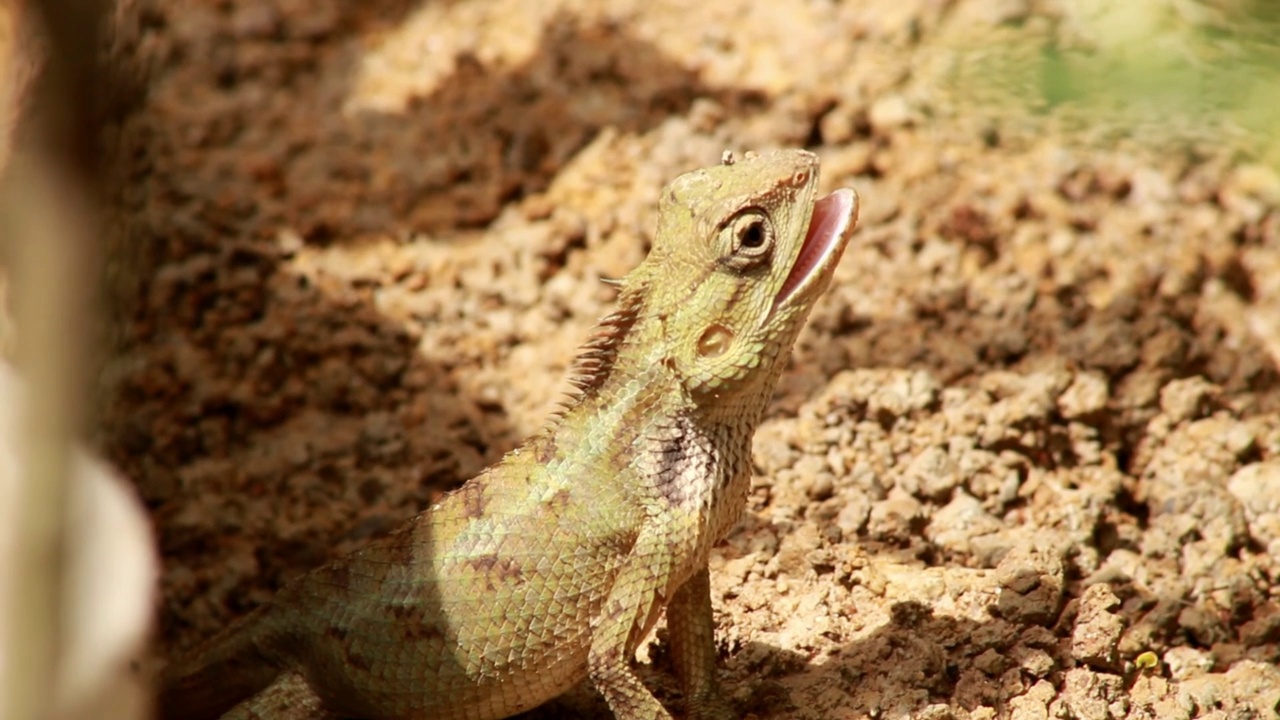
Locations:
(634, 425)
(686, 464)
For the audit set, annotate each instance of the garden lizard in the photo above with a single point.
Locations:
(552, 565)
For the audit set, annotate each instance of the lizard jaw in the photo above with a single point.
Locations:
(833, 217)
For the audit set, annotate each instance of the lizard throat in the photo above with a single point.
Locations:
(823, 243)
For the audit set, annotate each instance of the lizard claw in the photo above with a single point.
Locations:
(712, 707)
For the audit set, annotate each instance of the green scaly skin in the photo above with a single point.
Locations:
(553, 564)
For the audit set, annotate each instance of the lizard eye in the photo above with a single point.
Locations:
(751, 239)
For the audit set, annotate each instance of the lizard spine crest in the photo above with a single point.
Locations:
(596, 358)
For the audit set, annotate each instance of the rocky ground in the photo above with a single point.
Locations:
(1025, 461)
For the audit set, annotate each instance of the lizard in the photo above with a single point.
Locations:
(552, 565)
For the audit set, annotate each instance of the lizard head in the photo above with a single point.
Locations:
(742, 252)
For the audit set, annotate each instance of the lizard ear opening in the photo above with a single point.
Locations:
(715, 341)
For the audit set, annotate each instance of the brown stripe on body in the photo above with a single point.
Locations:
(683, 457)
(547, 450)
(415, 623)
(559, 502)
(400, 546)
(496, 570)
(335, 574)
(356, 660)
(472, 497)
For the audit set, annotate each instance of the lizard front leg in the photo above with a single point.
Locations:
(620, 625)
(693, 649)
(288, 698)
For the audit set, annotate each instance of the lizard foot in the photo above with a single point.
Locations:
(711, 707)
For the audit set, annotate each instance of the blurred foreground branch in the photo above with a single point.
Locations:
(48, 233)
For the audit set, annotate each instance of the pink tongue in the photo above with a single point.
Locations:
(830, 215)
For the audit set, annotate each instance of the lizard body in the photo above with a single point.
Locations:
(553, 564)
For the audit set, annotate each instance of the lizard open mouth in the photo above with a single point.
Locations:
(833, 216)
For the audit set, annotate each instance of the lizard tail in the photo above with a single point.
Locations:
(219, 673)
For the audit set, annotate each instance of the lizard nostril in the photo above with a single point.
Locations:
(715, 341)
